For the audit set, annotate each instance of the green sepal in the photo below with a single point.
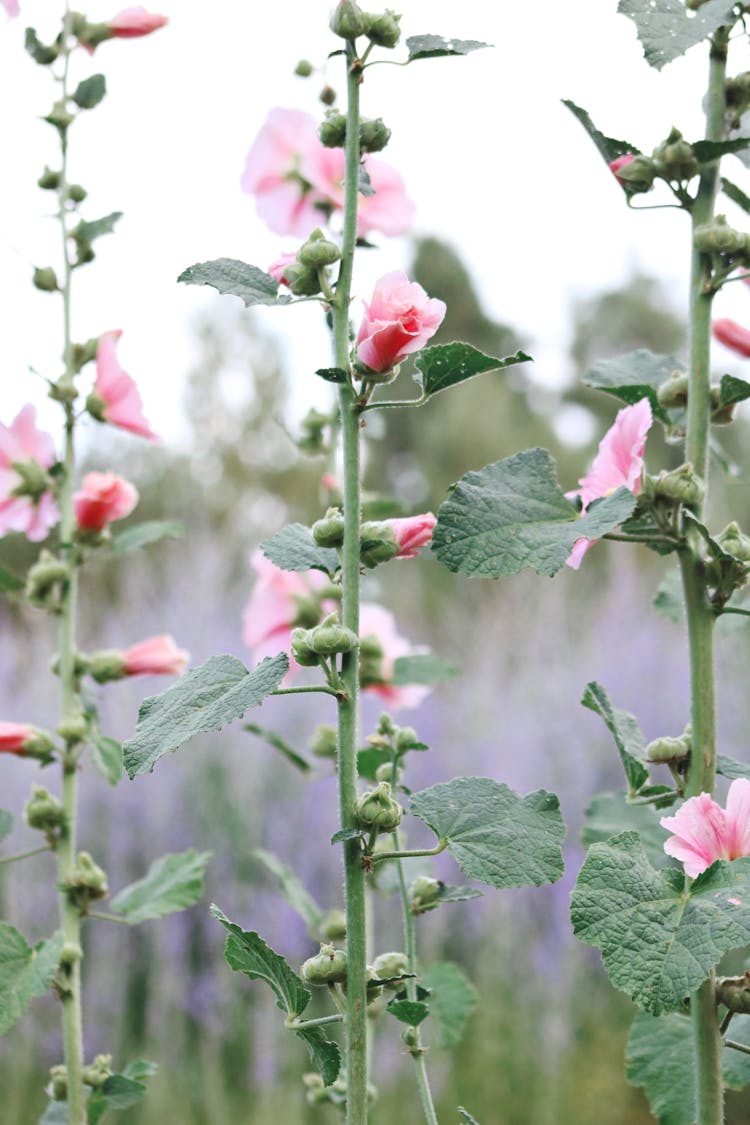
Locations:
(172, 883)
(236, 279)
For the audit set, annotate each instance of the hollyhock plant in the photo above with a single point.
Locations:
(131, 23)
(619, 163)
(411, 533)
(618, 463)
(389, 211)
(703, 831)
(280, 600)
(155, 656)
(115, 397)
(732, 335)
(277, 268)
(26, 504)
(11, 7)
(102, 499)
(14, 737)
(399, 320)
(382, 644)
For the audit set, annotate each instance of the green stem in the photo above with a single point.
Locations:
(737, 1046)
(439, 847)
(348, 705)
(305, 691)
(393, 404)
(24, 855)
(298, 1025)
(104, 917)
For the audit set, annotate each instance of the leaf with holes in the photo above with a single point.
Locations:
(436, 47)
(248, 953)
(236, 279)
(666, 31)
(293, 548)
(608, 148)
(447, 365)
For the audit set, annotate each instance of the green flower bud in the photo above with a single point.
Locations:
(97, 1072)
(327, 95)
(371, 655)
(43, 811)
(326, 967)
(675, 159)
(377, 544)
(674, 392)
(391, 965)
(410, 1037)
(375, 808)
(49, 180)
(318, 251)
(34, 482)
(105, 665)
(96, 407)
(302, 650)
(74, 729)
(385, 772)
(333, 926)
(308, 610)
(406, 739)
(87, 881)
(668, 749)
(324, 742)
(47, 581)
(58, 1087)
(69, 954)
(313, 425)
(373, 135)
(331, 637)
(383, 30)
(386, 725)
(329, 532)
(332, 130)
(734, 993)
(348, 20)
(39, 745)
(717, 237)
(682, 485)
(59, 117)
(734, 542)
(77, 193)
(637, 175)
(302, 281)
(424, 893)
(303, 69)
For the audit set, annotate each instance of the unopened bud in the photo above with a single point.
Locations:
(373, 135)
(46, 582)
(332, 130)
(96, 407)
(312, 431)
(388, 772)
(74, 729)
(331, 637)
(59, 117)
(318, 251)
(634, 173)
(375, 808)
(333, 926)
(407, 739)
(49, 180)
(77, 193)
(105, 665)
(734, 542)
(307, 610)
(675, 159)
(324, 742)
(674, 392)
(302, 650)
(717, 237)
(377, 543)
(348, 20)
(410, 1037)
(383, 29)
(329, 532)
(58, 1087)
(70, 953)
(682, 485)
(87, 881)
(734, 993)
(327, 95)
(97, 1072)
(303, 69)
(326, 967)
(34, 480)
(302, 280)
(43, 811)
(668, 749)
(391, 965)
(424, 892)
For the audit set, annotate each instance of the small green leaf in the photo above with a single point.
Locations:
(452, 1000)
(107, 756)
(411, 1012)
(24, 972)
(730, 768)
(248, 953)
(634, 376)
(457, 894)
(609, 149)
(436, 47)
(172, 883)
(325, 1054)
(88, 232)
(10, 583)
(659, 939)
(421, 668)
(293, 891)
(623, 727)
(293, 548)
(279, 744)
(206, 698)
(446, 365)
(118, 1092)
(665, 29)
(609, 814)
(39, 52)
(735, 194)
(513, 514)
(732, 389)
(368, 761)
(143, 534)
(332, 374)
(466, 1116)
(6, 823)
(715, 548)
(236, 279)
(494, 835)
(344, 834)
(90, 92)
(706, 151)
(140, 1069)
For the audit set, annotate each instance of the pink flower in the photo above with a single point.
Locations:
(732, 335)
(619, 462)
(399, 320)
(116, 398)
(14, 736)
(103, 498)
(131, 23)
(277, 268)
(704, 831)
(389, 210)
(621, 162)
(24, 446)
(155, 656)
(11, 7)
(280, 600)
(412, 533)
(379, 625)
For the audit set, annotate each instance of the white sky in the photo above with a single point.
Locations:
(492, 159)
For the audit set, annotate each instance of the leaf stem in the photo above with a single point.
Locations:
(306, 691)
(737, 1046)
(377, 857)
(392, 404)
(103, 917)
(25, 855)
(660, 540)
(302, 1025)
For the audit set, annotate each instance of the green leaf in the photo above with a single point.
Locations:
(344, 834)
(279, 744)
(735, 194)
(411, 1012)
(715, 548)
(609, 814)
(325, 1054)
(609, 149)
(421, 668)
(293, 548)
(368, 761)
(107, 757)
(706, 151)
(452, 1000)
(206, 698)
(293, 891)
(364, 183)
(494, 835)
(118, 1092)
(237, 279)
(634, 376)
(140, 1069)
(732, 389)
(512, 515)
(90, 92)
(10, 583)
(624, 728)
(172, 883)
(730, 768)
(666, 31)
(466, 1116)
(143, 534)
(248, 953)
(24, 972)
(446, 365)
(659, 939)
(88, 232)
(457, 894)
(332, 374)
(436, 47)
(6, 823)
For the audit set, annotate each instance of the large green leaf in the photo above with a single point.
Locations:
(24, 972)
(421, 668)
(513, 514)
(623, 727)
(707, 151)
(436, 47)
(609, 149)
(248, 953)
(293, 548)
(452, 1000)
(446, 365)
(207, 698)
(293, 891)
(325, 1054)
(143, 534)
(237, 279)
(634, 376)
(665, 29)
(659, 939)
(172, 883)
(6, 823)
(494, 835)
(609, 814)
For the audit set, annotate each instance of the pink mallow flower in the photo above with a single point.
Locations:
(280, 600)
(14, 737)
(704, 831)
(102, 499)
(732, 335)
(155, 656)
(115, 397)
(399, 320)
(388, 211)
(133, 22)
(11, 7)
(381, 646)
(619, 462)
(411, 533)
(23, 445)
(278, 267)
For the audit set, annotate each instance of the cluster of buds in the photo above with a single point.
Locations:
(678, 486)
(374, 134)
(376, 811)
(304, 272)
(670, 751)
(729, 248)
(95, 1074)
(673, 161)
(729, 571)
(327, 639)
(424, 894)
(350, 22)
(312, 432)
(87, 882)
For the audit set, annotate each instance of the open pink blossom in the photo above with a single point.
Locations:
(280, 600)
(116, 398)
(399, 320)
(133, 22)
(284, 199)
(155, 656)
(376, 622)
(389, 210)
(102, 499)
(11, 7)
(704, 831)
(732, 335)
(411, 533)
(22, 444)
(278, 267)
(618, 463)
(14, 736)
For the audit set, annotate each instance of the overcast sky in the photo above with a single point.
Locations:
(491, 158)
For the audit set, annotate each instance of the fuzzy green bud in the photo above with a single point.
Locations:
(675, 159)
(96, 406)
(424, 893)
(39, 745)
(734, 542)
(377, 544)
(373, 135)
(391, 965)
(49, 180)
(326, 967)
(331, 637)
(406, 739)
(668, 749)
(46, 582)
(97, 1072)
(318, 251)
(58, 1086)
(333, 926)
(329, 532)
(312, 430)
(681, 485)
(327, 95)
(77, 193)
(637, 175)
(376, 808)
(717, 237)
(43, 811)
(70, 953)
(348, 20)
(106, 665)
(383, 30)
(324, 742)
(302, 280)
(674, 392)
(387, 772)
(302, 649)
(304, 68)
(371, 655)
(87, 881)
(332, 130)
(34, 480)
(410, 1036)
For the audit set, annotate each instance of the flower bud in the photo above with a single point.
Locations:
(49, 180)
(43, 811)
(373, 135)
(424, 893)
(682, 485)
(87, 881)
(302, 650)
(717, 237)
(675, 159)
(332, 130)
(375, 808)
(97, 1072)
(734, 542)
(391, 965)
(634, 173)
(377, 543)
(410, 1036)
(318, 251)
(327, 95)
(331, 637)
(77, 193)
(674, 392)
(75, 729)
(46, 582)
(668, 749)
(348, 20)
(326, 967)
(303, 69)
(329, 532)
(106, 665)
(333, 926)
(324, 742)
(302, 280)
(58, 1087)
(386, 772)
(383, 29)
(406, 739)
(70, 953)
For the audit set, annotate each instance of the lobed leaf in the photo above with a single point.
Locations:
(436, 47)
(634, 376)
(236, 279)
(293, 548)
(325, 1054)
(248, 953)
(446, 365)
(88, 232)
(118, 1092)
(452, 1000)
(24, 972)
(172, 883)
(623, 727)
(666, 31)
(293, 891)
(609, 814)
